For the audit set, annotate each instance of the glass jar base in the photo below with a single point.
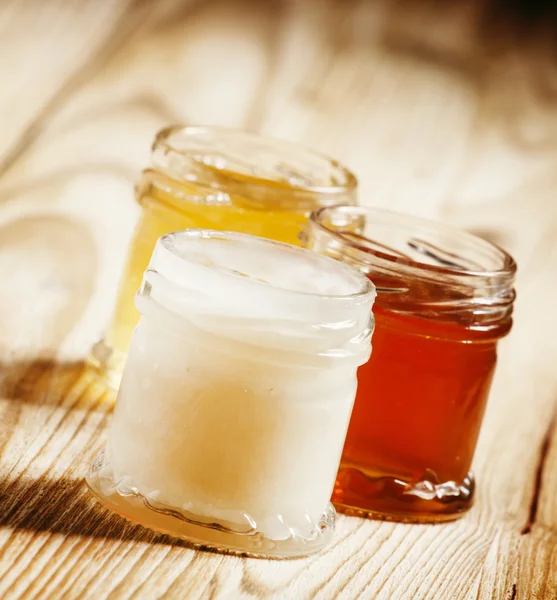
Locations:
(106, 364)
(391, 499)
(128, 502)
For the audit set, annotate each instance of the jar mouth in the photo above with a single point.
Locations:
(420, 267)
(378, 235)
(228, 162)
(262, 294)
(264, 264)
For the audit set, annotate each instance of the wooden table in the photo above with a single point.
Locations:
(444, 110)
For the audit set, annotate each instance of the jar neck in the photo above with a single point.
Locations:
(230, 286)
(235, 338)
(219, 166)
(475, 300)
(176, 192)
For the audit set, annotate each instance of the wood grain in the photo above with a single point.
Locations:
(446, 110)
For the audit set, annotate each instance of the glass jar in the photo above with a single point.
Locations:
(444, 299)
(236, 394)
(223, 179)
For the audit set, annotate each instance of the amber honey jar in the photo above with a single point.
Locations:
(444, 300)
(219, 179)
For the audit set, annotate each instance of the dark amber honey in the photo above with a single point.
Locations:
(444, 299)
(436, 377)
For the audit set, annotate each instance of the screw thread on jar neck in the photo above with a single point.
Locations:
(223, 164)
(420, 267)
(279, 298)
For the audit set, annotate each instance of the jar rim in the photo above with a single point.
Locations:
(181, 144)
(260, 292)
(365, 288)
(504, 273)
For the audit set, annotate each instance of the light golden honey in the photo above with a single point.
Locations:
(271, 201)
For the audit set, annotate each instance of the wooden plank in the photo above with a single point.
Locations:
(433, 125)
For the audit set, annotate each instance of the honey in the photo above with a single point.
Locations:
(236, 394)
(444, 300)
(218, 179)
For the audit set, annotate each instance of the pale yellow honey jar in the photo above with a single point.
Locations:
(221, 179)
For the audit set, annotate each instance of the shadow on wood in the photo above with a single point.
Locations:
(66, 507)
(45, 381)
